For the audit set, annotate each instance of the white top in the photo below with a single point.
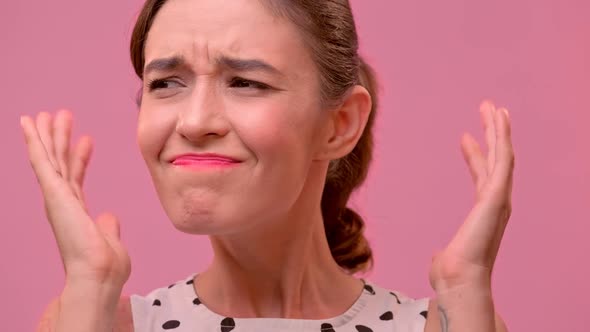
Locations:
(177, 308)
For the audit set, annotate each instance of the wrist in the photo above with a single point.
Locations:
(478, 284)
(88, 307)
(99, 293)
(473, 289)
(467, 308)
(94, 285)
(455, 275)
(474, 296)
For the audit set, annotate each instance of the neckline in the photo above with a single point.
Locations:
(359, 304)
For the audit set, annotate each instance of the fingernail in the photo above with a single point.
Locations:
(506, 112)
(21, 120)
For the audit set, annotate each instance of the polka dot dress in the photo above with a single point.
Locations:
(177, 308)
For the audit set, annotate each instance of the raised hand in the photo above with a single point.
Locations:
(91, 252)
(469, 258)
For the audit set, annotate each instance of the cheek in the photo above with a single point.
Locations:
(276, 130)
(153, 129)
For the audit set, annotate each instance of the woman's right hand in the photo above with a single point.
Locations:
(91, 252)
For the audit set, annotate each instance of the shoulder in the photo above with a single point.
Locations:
(166, 305)
(406, 313)
(123, 316)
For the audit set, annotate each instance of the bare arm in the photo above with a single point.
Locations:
(123, 320)
(94, 259)
(461, 273)
(438, 319)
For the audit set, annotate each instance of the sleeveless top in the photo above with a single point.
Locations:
(177, 308)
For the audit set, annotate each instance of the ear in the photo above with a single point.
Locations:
(346, 124)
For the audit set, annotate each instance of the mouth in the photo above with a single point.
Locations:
(204, 160)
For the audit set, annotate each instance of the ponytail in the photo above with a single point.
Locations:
(344, 227)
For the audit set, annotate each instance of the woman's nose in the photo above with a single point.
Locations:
(204, 117)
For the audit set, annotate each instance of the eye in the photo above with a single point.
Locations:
(238, 82)
(160, 84)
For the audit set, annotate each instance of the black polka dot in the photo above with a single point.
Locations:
(157, 302)
(369, 289)
(190, 282)
(196, 301)
(424, 313)
(327, 328)
(396, 298)
(171, 286)
(362, 328)
(387, 316)
(228, 324)
(171, 324)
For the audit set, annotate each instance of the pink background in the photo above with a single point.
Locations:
(436, 62)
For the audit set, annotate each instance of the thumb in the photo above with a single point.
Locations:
(108, 224)
(474, 158)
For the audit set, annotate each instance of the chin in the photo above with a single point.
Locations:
(194, 221)
(203, 221)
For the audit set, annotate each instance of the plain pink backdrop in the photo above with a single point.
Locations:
(436, 60)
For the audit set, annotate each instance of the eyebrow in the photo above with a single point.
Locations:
(164, 64)
(242, 65)
(247, 65)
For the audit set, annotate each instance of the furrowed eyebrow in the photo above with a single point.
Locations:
(165, 64)
(247, 65)
(242, 65)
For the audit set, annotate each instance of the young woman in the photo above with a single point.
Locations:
(255, 124)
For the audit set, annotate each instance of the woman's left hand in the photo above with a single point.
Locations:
(469, 258)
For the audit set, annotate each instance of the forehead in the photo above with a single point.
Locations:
(202, 30)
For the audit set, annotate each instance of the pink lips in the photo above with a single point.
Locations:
(205, 159)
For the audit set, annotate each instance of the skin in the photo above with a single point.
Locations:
(271, 257)
(461, 273)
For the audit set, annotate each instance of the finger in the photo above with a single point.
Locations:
(44, 128)
(504, 167)
(475, 160)
(42, 167)
(62, 128)
(79, 160)
(487, 110)
(80, 195)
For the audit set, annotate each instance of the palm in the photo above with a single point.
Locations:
(90, 251)
(471, 254)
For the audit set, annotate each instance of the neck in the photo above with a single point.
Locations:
(285, 270)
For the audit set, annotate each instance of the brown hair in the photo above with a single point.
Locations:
(329, 30)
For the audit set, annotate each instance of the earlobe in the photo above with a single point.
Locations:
(348, 122)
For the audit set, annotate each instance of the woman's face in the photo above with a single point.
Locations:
(237, 81)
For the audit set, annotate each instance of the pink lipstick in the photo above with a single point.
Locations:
(203, 159)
